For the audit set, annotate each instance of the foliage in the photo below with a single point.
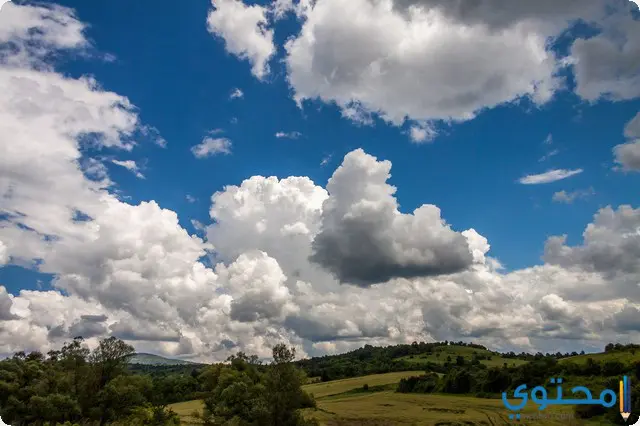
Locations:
(76, 385)
(242, 394)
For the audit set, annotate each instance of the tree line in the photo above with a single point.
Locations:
(376, 360)
(75, 386)
(463, 377)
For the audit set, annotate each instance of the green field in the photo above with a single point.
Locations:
(390, 408)
(625, 357)
(186, 409)
(441, 353)
(335, 387)
(338, 405)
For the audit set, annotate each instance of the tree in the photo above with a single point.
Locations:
(283, 385)
(110, 359)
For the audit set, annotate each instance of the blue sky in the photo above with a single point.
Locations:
(179, 73)
(180, 77)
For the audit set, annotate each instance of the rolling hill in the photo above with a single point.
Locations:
(441, 354)
(150, 359)
(629, 356)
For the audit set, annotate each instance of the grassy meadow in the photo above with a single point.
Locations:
(625, 357)
(440, 355)
(338, 404)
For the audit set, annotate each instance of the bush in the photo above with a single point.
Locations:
(307, 400)
(365, 387)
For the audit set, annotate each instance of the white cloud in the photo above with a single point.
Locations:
(378, 60)
(4, 257)
(244, 31)
(549, 139)
(57, 28)
(236, 94)
(133, 271)
(611, 245)
(569, 197)
(288, 135)
(421, 133)
(191, 198)
(129, 165)
(212, 146)
(627, 155)
(549, 176)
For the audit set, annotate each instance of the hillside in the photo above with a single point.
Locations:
(151, 359)
(441, 354)
(434, 356)
(629, 356)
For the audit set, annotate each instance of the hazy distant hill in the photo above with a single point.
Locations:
(150, 359)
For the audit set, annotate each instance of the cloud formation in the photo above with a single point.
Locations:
(627, 155)
(473, 57)
(212, 146)
(569, 197)
(129, 165)
(288, 135)
(365, 240)
(243, 29)
(132, 271)
(549, 176)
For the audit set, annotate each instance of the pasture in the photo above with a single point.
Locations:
(339, 405)
(442, 353)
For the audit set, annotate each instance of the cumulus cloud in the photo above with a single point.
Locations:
(57, 28)
(606, 65)
(473, 57)
(133, 329)
(212, 146)
(134, 272)
(611, 244)
(89, 326)
(549, 176)
(4, 257)
(243, 29)
(365, 240)
(627, 155)
(129, 165)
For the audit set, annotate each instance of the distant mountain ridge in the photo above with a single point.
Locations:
(151, 359)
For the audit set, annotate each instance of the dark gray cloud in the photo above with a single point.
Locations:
(5, 305)
(503, 13)
(88, 326)
(627, 320)
(136, 330)
(608, 65)
(315, 331)
(57, 332)
(628, 154)
(365, 240)
(253, 307)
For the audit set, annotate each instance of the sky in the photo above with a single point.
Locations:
(203, 177)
